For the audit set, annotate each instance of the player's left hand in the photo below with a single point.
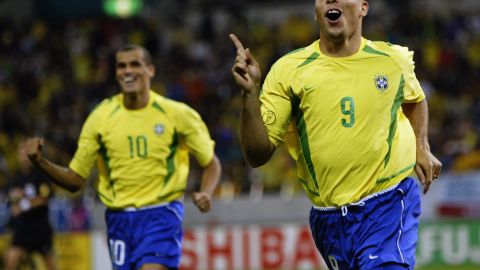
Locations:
(203, 201)
(428, 168)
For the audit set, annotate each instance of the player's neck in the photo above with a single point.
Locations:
(341, 48)
(136, 101)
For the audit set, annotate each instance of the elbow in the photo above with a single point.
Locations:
(215, 165)
(255, 164)
(258, 156)
(75, 182)
(255, 161)
(73, 188)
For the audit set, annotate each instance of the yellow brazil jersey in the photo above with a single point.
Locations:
(342, 119)
(142, 154)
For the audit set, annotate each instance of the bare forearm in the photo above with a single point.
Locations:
(256, 145)
(428, 167)
(417, 114)
(62, 176)
(211, 176)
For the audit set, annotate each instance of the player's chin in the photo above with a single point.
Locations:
(336, 34)
(129, 90)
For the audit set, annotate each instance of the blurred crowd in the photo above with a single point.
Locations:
(52, 73)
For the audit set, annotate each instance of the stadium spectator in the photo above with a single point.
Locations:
(143, 140)
(28, 193)
(354, 117)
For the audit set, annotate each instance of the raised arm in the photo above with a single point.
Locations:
(210, 178)
(62, 176)
(256, 145)
(428, 167)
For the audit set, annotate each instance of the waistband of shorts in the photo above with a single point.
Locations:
(143, 208)
(361, 202)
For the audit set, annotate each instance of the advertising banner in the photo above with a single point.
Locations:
(250, 247)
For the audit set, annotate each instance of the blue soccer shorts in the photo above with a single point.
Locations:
(145, 235)
(379, 232)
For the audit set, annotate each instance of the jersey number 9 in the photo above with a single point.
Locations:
(347, 106)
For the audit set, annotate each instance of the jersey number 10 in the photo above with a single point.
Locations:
(138, 146)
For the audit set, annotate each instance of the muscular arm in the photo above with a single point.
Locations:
(428, 167)
(417, 114)
(256, 145)
(60, 175)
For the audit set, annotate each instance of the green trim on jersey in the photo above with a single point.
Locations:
(103, 153)
(369, 49)
(296, 50)
(114, 111)
(383, 179)
(167, 196)
(157, 106)
(393, 118)
(309, 59)
(302, 133)
(307, 188)
(171, 158)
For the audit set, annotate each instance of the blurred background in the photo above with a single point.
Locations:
(56, 64)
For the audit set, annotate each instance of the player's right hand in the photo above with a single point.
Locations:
(245, 70)
(33, 148)
(428, 168)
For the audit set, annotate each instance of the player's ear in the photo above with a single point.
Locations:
(364, 8)
(151, 70)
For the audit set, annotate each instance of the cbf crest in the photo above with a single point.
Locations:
(381, 82)
(159, 129)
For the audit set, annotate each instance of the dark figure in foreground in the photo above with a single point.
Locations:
(28, 194)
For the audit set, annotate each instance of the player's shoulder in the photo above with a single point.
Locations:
(398, 52)
(168, 105)
(107, 105)
(298, 57)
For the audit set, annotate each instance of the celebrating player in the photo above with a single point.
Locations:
(355, 118)
(141, 141)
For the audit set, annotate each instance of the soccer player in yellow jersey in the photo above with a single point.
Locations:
(354, 117)
(141, 142)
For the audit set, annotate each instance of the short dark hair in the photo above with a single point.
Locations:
(130, 47)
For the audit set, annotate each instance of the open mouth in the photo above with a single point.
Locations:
(333, 15)
(128, 80)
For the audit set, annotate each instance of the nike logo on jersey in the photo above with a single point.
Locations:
(371, 257)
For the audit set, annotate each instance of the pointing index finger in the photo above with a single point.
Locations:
(238, 44)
